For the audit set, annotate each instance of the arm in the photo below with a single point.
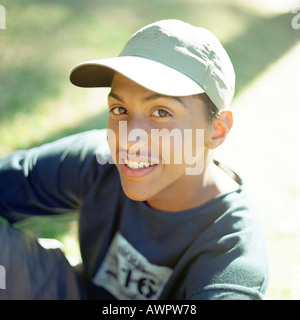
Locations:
(50, 179)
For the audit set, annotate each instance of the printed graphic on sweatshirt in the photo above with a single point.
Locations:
(128, 275)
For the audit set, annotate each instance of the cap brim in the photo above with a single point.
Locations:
(150, 74)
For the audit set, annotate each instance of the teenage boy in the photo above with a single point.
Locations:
(166, 221)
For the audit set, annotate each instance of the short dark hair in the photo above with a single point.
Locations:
(213, 111)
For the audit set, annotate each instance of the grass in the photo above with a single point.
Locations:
(43, 40)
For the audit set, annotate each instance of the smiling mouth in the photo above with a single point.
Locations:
(137, 169)
(138, 164)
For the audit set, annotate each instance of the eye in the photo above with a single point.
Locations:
(118, 110)
(161, 113)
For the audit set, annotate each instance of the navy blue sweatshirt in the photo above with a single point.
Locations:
(130, 250)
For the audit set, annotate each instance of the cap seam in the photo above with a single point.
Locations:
(209, 67)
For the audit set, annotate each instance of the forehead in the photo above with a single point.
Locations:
(121, 82)
(128, 86)
(123, 86)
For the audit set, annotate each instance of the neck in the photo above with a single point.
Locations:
(193, 191)
(189, 191)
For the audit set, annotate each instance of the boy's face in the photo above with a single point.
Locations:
(133, 107)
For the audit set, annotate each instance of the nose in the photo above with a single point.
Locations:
(133, 137)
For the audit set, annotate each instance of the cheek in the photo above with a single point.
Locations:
(182, 147)
(168, 144)
(113, 139)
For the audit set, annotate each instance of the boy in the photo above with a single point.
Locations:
(165, 221)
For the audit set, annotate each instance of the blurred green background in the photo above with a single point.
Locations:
(44, 39)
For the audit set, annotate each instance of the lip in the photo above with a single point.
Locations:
(141, 157)
(136, 173)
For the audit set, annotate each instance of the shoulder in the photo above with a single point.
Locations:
(83, 157)
(232, 257)
(84, 141)
(79, 147)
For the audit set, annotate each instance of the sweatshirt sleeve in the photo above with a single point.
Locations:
(50, 179)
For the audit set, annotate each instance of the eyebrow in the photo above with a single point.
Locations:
(115, 96)
(158, 96)
(151, 97)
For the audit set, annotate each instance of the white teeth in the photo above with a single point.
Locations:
(138, 165)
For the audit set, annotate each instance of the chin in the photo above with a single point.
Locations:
(137, 193)
(135, 196)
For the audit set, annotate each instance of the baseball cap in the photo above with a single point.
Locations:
(169, 57)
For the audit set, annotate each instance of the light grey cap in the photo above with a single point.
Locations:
(170, 57)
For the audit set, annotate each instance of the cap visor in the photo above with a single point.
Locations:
(150, 74)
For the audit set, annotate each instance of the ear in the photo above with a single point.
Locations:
(221, 126)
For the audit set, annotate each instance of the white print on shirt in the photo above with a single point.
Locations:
(128, 275)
